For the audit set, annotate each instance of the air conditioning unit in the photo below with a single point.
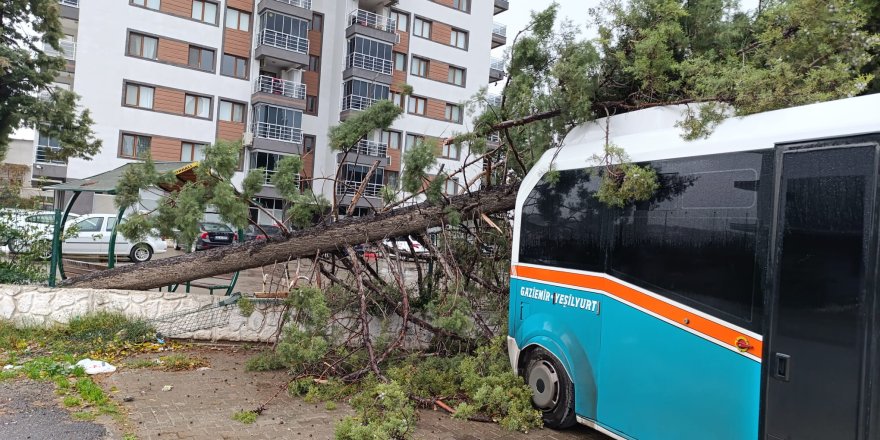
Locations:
(247, 139)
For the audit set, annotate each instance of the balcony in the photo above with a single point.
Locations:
(369, 63)
(277, 132)
(298, 8)
(499, 35)
(496, 70)
(366, 152)
(357, 102)
(45, 155)
(279, 91)
(350, 187)
(493, 100)
(501, 6)
(493, 138)
(69, 9)
(371, 25)
(282, 51)
(68, 49)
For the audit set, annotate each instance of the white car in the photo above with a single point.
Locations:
(93, 238)
(22, 225)
(401, 246)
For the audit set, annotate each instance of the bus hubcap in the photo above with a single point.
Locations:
(544, 384)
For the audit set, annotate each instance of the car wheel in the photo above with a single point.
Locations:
(140, 253)
(552, 389)
(45, 250)
(16, 246)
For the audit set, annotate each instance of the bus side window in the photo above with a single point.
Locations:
(699, 240)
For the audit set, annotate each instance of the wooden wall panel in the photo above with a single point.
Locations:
(173, 51)
(394, 154)
(237, 43)
(308, 170)
(168, 100)
(242, 5)
(436, 109)
(181, 8)
(315, 43)
(312, 82)
(403, 45)
(398, 79)
(438, 71)
(230, 131)
(444, 2)
(441, 32)
(165, 148)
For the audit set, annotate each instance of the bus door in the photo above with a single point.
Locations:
(814, 381)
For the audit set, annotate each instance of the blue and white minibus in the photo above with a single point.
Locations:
(740, 302)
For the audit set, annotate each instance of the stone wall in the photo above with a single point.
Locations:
(35, 305)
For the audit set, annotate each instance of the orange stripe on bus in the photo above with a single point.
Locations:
(697, 323)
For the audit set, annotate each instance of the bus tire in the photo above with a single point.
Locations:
(552, 389)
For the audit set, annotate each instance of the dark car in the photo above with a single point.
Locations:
(254, 233)
(214, 234)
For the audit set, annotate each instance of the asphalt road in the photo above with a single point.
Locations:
(29, 410)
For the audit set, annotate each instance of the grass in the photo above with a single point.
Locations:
(84, 416)
(71, 401)
(171, 362)
(246, 417)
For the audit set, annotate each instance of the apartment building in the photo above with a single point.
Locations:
(167, 77)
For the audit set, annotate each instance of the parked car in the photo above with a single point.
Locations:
(254, 233)
(25, 224)
(401, 246)
(93, 238)
(213, 234)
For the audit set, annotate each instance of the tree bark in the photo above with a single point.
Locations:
(300, 244)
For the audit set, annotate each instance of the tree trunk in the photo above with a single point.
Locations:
(301, 244)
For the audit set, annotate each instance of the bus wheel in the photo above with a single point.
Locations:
(552, 390)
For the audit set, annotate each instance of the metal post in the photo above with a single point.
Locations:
(57, 243)
(111, 251)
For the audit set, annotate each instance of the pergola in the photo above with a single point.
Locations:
(104, 183)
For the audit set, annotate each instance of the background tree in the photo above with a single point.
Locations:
(26, 27)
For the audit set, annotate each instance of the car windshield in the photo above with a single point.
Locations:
(215, 227)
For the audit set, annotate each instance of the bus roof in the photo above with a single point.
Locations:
(651, 134)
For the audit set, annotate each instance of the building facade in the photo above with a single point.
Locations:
(167, 77)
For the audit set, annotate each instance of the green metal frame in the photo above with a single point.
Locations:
(111, 248)
(60, 220)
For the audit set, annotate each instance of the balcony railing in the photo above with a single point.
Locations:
(277, 132)
(371, 148)
(278, 86)
(268, 174)
(493, 138)
(372, 20)
(499, 30)
(357, 102)
(281, 40)
(68, 49)
(306, 4)
(496, 68)
(45, 154)
(350, 187)
(71, 3)
(369, 62)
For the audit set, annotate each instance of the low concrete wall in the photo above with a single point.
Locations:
(35, 305)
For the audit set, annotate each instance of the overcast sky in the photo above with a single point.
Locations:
(519, 14)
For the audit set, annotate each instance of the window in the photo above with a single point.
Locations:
(391, 138)
(400, 61)
(451, 151)
(450, 187)
(317, 22)
(456, 76)
(231, 111)
(204, 11)
(357, 173)
(397, 99)
(284, 31)
(278, 123)
(135, 146)
(139, 96)
(309, 142)
(453, 113)
(111, 222)
(421, 28)
(365, 53)
(458, 39)
(419, 67)
(702, 232)
(200, 58)
(462, 5)
(152, 4)
(401, 19)
(48, 149)
(412, 140)
(314, 63)
(392, 179)
(266, 161)
(311, 104)
(198, 106)
(236, 19)
(233, 66)
(417, 105)
(142, 46)
(192, 152)
(90, 224)
(359, 94)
